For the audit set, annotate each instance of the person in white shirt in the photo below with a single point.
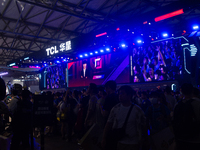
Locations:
(84, 72)
(136, 124)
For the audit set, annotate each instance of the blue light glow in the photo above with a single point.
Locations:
(91, 53)
(165, 35)
(96, 52)
(64, 60)
(108, 49)
(195, 27)
(101, 51)
(123, 45)
(139, 41)
(81, 56)
(58, 61)
(86, 55)
(45, 64)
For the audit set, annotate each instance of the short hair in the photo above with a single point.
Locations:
(127, 89)
(93, 86)
(111, 84)
(58, 94)
(26, 94)
(187, 89)
(154, 94)
(2, 89)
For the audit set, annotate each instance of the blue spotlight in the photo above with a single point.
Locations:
(195, 27)
(80, 56)
(45, 64)
(58, 61)
(91, 53)
(86, 55)
(139, 41)
(64, 60)
(96, 52)
(101, 51)
(123, 45)
(107, 49)
(165, 35)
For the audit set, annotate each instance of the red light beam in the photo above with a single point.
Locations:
(169, 15)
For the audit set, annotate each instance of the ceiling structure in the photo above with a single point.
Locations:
(28, 26)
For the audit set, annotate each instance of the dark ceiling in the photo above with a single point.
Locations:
(28, 26)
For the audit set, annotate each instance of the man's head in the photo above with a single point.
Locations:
(26, 95)
(187, 89)
(110, 86)
(92, 89)
(2, 89)
(144, 95)
(125, 94)
(84, 65)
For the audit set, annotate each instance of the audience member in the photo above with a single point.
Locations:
(134, 128)
(186, 120)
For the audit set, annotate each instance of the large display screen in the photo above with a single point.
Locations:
(158, 61)
(55, 77)
(99, 70)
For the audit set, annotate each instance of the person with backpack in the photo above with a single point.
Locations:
(186, 121)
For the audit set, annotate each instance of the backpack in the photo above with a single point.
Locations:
(185, 122)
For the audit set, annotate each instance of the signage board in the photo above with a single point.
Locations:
(55, 50)
(42, 110)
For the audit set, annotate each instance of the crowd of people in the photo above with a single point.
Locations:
(157, 62)
(110, 119)
(55, 77)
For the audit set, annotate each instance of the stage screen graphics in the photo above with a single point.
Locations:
(158, 61)
(54, 77)
(99, 70)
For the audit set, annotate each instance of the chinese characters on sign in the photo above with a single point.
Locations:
(63, 47)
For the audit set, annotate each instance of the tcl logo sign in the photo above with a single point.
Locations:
(63, 47)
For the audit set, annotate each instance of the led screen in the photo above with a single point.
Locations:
(99, 70)
(159, 61)
(55, 77)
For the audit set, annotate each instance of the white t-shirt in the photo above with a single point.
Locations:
(134, 125)
(84, 70)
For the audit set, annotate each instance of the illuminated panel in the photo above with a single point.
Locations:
(98, 63)
(3, 73)
(98, 35)
(169, 15)
(98, 77)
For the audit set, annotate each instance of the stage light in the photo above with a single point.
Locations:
(101, 34)
(123, 45)
(13, 64)
(156, 38)
(139, 41)
(81, 56)
(45, 64)
(149, 23)
(64, 60)
(169, 15)
(26, 58)
(141, 34)
(149, 35)
(96, 52)
(195, 27)
(101, 51)
(91, 53)
(118, 29)
(165, 35)
(128, 30)
(132, 32)
(172, 34)
(3, 73)
(108, 49)
(86, 55)
(58, 61)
